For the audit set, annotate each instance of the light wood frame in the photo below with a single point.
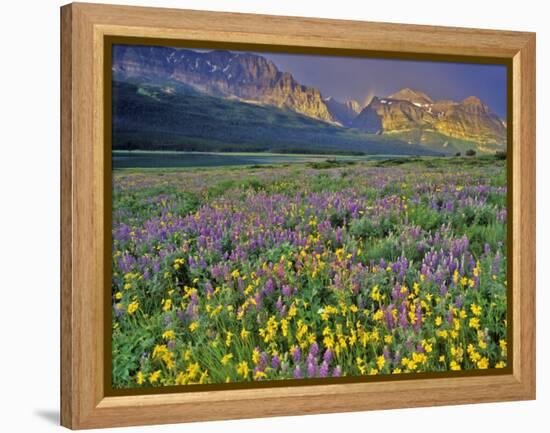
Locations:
(83, 400)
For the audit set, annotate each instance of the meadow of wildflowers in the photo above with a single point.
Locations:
(308, 271)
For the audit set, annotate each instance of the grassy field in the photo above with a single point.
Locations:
(313, 269)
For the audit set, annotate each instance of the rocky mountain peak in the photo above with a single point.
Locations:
(343, 112)
(412, 110)
(473, 103)
(246, 76)
(413, 96)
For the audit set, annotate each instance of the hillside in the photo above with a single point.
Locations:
(175, 117)
(246, 76)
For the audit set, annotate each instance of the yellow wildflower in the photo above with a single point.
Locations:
(284, 327)
(228, 338)
(474, 323)
(455, 366)
(193, 370)
(153, 377)
(442, 334)
(139, 378)
(133, 307)
(375, 295)
(227, 358)
(255, 356)
(379, 315)
(427, 346)
(476, 309)
(259, 375)
(483, 363)
(169, 335)
(242, 369)
(292, 311)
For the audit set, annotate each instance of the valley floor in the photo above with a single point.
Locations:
(312, 269)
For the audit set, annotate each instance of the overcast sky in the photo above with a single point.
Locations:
(361, 78)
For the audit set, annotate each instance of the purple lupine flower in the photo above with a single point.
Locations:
(402, 318)
(269, 287)
(146, 274)
(337, 371)
(264, 360)
(156, 267)
(323, 369)
(208, 288)
(298, 372)
(327, 356)
(296, 354)
(286, 290)
(279, 304)
(388, 316)
(314, 350)
(275, 362)
(311, 369)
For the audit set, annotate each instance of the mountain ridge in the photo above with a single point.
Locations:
(343, 112)
(222, 73)
(469, 119)
(163, 117)
(408, 114)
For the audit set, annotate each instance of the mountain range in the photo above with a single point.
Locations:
(187, 99)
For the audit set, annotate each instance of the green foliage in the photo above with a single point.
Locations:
(145, 117)
(328, 252)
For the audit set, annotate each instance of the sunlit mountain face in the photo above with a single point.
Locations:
(244, 100)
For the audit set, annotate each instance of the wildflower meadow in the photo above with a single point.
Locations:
(308, 270)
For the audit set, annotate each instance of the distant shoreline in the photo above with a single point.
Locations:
(136, 159)
(303, 155)
(240, 153)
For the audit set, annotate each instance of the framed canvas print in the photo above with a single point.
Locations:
(277, 216)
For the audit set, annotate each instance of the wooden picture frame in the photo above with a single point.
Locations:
(84, 27)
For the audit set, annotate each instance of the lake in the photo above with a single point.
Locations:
(144, 159)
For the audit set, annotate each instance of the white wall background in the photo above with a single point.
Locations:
(29, 215)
